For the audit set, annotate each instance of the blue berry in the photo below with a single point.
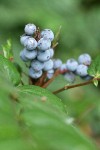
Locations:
(51, 71)
(51, 52)
(82, 70)
(43, 55)
(70, 77)
(30, 29)
(30, 54)
(22, 56)
(44, 44)
(37, 65)
(71, 64)
(23, 38)
(48, 65)
(48, 34)
(30, 43)
(63, 68)
(57, 63)
(49, 75)
(34, 74)
(84, 59)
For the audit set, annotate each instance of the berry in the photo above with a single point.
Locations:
(82, 70)
(22, 56)
(84, 59)
(70, 77)
(23, 38)
(44, 44)
(48, 34)
(30, 29)
(37, 65)
(35, 75)
(43, 55)
(51, 71)
(63, 68)
(30, 54)
(48, 65)
(49, 75)
(71, 64)
(51, 52)
(57, 63)
(30, 43)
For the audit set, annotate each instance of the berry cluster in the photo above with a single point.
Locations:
(79, 67)
(38, 50)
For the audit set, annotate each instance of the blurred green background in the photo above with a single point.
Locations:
(80, 32)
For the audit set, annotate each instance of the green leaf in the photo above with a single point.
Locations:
(55, 41)
(50, 129)
(8, 69)
(95, 82)
(31, 124)
(11, 133)
(7, 50)
(44, 95)
(94, 68)
(49, 125)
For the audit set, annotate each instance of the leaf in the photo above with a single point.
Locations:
(8, 69)
(94, 68)
(7, 50)
(32, 124)
(50, 129)
(95, 81)
(49, 125)
(44, 95)
(55, 41)
(11, 133)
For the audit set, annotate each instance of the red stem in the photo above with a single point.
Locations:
(75, 85)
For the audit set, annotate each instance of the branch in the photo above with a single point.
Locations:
(75, 85)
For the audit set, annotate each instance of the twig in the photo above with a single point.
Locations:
(75, 85)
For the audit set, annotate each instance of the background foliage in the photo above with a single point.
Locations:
(80, 32)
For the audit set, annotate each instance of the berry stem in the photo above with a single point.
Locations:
(75, 85)
(37, 34)
(41, 80)
(49, 81)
